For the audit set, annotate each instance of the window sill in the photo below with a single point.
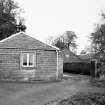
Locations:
(28, 66)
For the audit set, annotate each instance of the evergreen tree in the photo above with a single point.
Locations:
(8, 19)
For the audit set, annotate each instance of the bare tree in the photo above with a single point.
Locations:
(67, 40)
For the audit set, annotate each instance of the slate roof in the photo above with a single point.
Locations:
(23, 41)
(85, 57)
(72, 57)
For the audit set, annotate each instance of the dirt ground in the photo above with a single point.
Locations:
(42, 93)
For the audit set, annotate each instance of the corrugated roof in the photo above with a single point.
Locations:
(23, 41)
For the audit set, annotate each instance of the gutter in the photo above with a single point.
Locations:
(57, 65)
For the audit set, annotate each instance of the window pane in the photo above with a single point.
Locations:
(31, 59)
(25, 59)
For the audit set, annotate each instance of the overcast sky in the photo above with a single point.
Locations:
(46, 18)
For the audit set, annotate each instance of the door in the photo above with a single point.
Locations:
(93, 68)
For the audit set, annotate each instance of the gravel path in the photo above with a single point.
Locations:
(39, 94)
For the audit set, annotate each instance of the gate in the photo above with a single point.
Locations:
(93, 68)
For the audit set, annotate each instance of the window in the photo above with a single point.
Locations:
(28, 59)
(67, 56)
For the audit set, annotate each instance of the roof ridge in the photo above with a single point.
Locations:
(52, 46)
(30, 38)
(45, 43)
(13, 35)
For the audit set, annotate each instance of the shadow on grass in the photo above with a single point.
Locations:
(81, 99)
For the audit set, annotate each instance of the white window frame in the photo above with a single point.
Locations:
(33, 62)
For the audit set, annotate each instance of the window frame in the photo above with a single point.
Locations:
(28, 54)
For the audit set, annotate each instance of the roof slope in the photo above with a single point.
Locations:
(85, 57)
(23, 41)
(71, 58)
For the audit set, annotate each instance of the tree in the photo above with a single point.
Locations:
(50, 40)
(8, 19)
(98, 39)
(67, 40)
